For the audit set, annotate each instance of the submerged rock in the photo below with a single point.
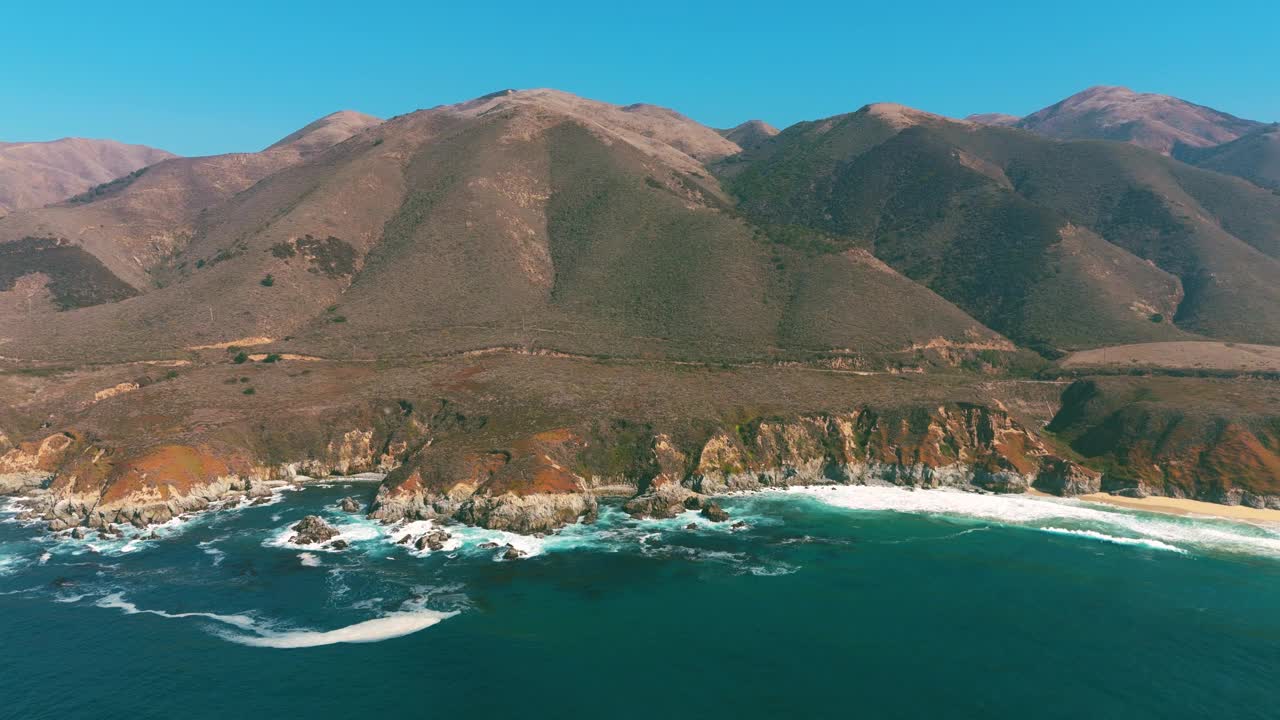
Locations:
(79, 533)
(691, 526)
(488, 545)
(714, 513)
(339, 544)
(313, 529)
(513, 553)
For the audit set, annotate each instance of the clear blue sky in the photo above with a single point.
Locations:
(198, 78)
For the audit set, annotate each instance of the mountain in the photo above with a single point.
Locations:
(997, 119)
(526, 302)
(33, 174)
(325, 132)
(1056, 245)
(530, 218)
(1156, 122)
(750, 133)
(132, 223)
(1254, 157)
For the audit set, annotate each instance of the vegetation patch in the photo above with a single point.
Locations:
(331, 256)
(107, 188)
(76, 278)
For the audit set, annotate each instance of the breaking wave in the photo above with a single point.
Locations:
(258, 633)
(1119, 526)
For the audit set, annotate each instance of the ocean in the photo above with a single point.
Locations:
(830, 603)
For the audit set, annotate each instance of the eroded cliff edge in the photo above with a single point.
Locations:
(503, 444)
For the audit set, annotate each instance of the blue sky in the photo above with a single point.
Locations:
(198, 78)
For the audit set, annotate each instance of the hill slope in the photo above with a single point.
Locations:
(522, 302)
(34, 174)
(524, 219)
(1156, 122)
(750, 133)
(1057, 245)
(1254, 157)
(133, 223)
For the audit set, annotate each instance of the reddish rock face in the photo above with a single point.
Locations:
(1143, 442)
(946, 445)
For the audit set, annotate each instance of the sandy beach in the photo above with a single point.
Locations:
(1181, 506)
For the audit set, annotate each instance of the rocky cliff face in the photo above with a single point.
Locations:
(1157, 439)
(444, 464)
(77, 481)
(554, 478)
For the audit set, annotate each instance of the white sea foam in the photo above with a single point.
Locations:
(773, 570)
(351, 531)
(10, 564)
(387, 627)
(416, 529)
(1062, 514)
(309, 559)
(255, 633)
(1115, 540)
(117, 601)
(208, 549)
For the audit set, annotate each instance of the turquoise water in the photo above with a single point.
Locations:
(828, 605)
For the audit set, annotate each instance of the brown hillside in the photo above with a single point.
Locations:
(34, 174)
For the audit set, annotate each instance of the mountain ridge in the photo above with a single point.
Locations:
(34, 174)
(530, 300)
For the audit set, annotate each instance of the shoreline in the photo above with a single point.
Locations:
(1185, 507)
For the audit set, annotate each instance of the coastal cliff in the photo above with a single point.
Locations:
(1158, 437)
(554, 478)
(484, 461)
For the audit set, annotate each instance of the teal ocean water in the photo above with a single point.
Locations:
(830, 604)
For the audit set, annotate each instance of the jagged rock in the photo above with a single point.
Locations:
(433, 540)
(78, 533)
(339, 544)
(313, 529)
(153, 536)
(513, 553)
(349, 504)
(693, 502)
(404, 539)
(663, 501)
(527, 514)
(714, 513)
(740, 525)
(1130, 492)
(1063, 477)
(487, 545)
(260, 501)
(691, 526)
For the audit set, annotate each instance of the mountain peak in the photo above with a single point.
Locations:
(997, 119)
(33, 174)
(749, 134)
(656, 130)
(1156, 122)
(327, 131)
(898, 116)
